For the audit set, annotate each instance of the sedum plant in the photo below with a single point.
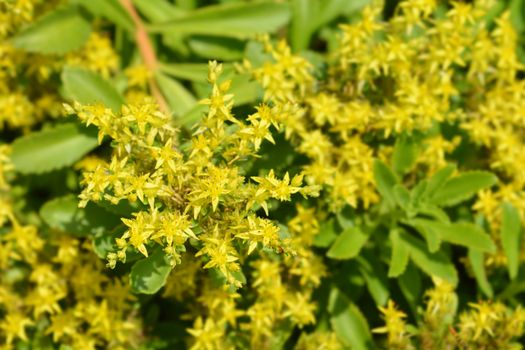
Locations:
(360, 188)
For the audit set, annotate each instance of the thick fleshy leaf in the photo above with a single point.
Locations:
(52, 148)
(64, 214)
(348, 322)
(58, 32)
(241, 20)
(462, 187)
(88, 87)
(511, 237)
(149, 275)
(348, 244)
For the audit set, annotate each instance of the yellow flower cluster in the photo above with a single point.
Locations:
(53, 285)
(194, 189)
(485, 325)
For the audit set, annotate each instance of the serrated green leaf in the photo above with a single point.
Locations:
(477, 262)
(58, 32)
(88, 87)
(179, 99)
(511, 237)
(405, 154)
(52, 148)
(111, 10)
(348, 244)
(431, 236)
(241, 20)
(149, 275)
(461, 233)
(64, 214)
(385, 181)
(438, 179)
(400, 255)
(348, 322)
(462, 187)
(434, 264)
(375, 278)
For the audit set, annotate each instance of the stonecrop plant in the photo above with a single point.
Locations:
(303, 174)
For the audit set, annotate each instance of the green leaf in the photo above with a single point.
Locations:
(410, 284)
(217, 48)
(433, 211)
(327, 234)
(405, 154)
(245, 89)
(301, 27)
(431, 236)
(385, 181)
(348, 322)
(517, 14)
(461, 233)
(375, 278)
(434, 264)
(88, 87)
(187, 71)
(402, 197)
(64, 214)
(477, 262)
(511, 237)
(150, 274)
(308, 16)
(400, 255)
(52, 148)
(462, 187)
(179, 99)
(104, 244)
(348, 244)
(158, 10)
(111, 10)
(438, 179)
(58, 32)
(240, 20)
